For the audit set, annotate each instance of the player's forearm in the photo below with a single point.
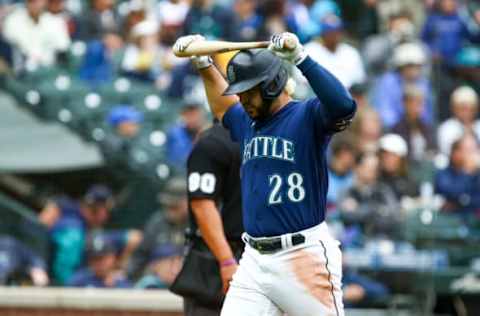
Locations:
(211, 227)
(215, 85)
(329, 90)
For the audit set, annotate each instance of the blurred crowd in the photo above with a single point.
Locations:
(412, 66)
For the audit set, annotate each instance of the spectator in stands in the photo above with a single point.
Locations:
(340, 168)
(19, 263)
(249, 20)
(171, 25)
(136, 13)
(141, 56)
(165, 227)
(445, 32)
(182, 135)
(126, 122)
(464, 107)
(38, 35)
(275, 19)
(470, 12)
(419, 135)
(362, 18)
(99, 63)
(309, 13)
(378, 49)
(359, 290)
(58, 8)
(366, 130)
(101, 271)
(459, 183)
(408, 60)
(370, 205)
(172, 12)
(70, 221)
(394, 171)
(340, 58)
(165, 263)
(359, 92)
(211, 20)
(100, 19)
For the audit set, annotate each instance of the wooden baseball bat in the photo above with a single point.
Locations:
(199, 48)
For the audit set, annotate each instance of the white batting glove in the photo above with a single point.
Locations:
(200, 62)
(182, 42)
(287, 46)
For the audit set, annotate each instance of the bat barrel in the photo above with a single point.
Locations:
(201, 48)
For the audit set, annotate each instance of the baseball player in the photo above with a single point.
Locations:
(291, 264)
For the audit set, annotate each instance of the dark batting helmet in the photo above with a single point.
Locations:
(249, 68)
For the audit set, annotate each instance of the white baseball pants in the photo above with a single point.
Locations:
(303, 280)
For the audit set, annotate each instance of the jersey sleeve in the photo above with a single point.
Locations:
(334, 107)
(206, 169)
(322, 122)
(236, 121)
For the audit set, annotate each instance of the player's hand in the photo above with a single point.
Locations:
(287, 46)
(182, 43)
(227, 273)
(200, 62)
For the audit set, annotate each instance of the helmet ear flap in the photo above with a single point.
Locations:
(270, 89)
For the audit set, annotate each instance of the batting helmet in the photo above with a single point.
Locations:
(249, 68)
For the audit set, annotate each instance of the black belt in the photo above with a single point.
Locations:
(273, 244)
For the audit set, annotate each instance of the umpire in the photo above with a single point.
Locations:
(214, 200)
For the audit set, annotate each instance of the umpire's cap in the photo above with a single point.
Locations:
(249, 68)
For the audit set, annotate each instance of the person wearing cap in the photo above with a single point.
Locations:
(464, 108)
(419, 135)
(408, 61)
(164, 227)
(459, 183)
(163, 266)
(101, 271)
(126, 123)
(183, 134)
(369, 206)
(125, 119)
(394, 171)
(379, 48)
(340, 58)
(69, 221)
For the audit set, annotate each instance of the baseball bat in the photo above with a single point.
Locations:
(199, 48)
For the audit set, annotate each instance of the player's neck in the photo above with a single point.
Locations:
(283, 99)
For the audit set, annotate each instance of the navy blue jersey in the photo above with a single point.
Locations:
(284, 170)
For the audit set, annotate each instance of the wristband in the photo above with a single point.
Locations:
(202, 62)
(228, 262)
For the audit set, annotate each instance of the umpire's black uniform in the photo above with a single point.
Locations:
(215, 162)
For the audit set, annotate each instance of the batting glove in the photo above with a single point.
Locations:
(200, 62)
(287, 46)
